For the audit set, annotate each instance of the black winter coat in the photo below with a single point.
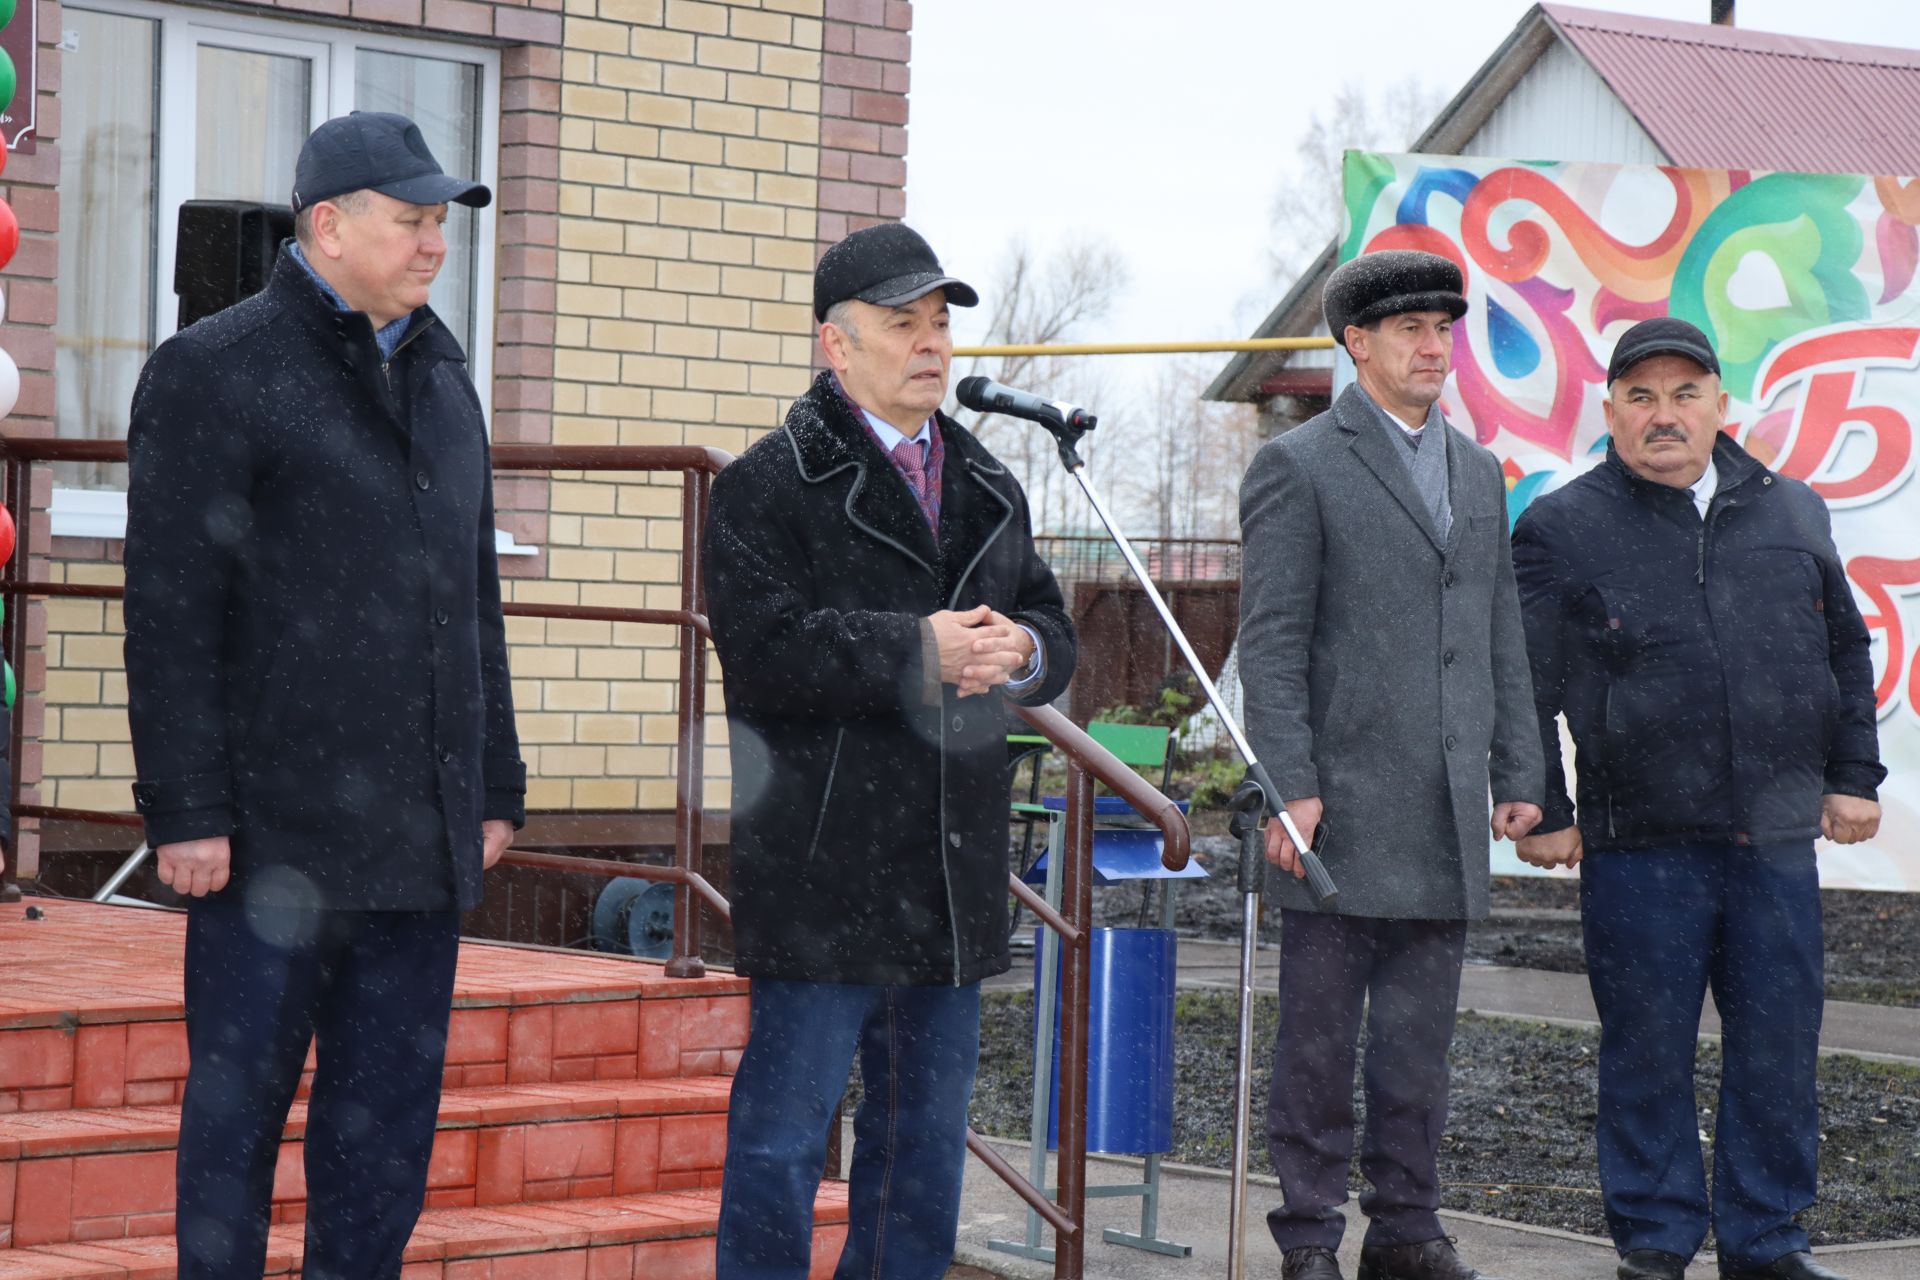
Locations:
(316, 663)
(869, 803)
(1716, 676)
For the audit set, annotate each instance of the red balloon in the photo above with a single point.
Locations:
(6, 535)
(9, 233)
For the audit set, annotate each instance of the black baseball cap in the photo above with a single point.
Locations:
(1662, 336)
(888, 265)
(376, 151)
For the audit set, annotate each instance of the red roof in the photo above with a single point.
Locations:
(1727, 97)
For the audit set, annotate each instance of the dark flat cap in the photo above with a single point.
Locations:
(1391, 282)
(888, 265)
(1662, 336)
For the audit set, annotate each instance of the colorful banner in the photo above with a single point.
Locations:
(1807, 285)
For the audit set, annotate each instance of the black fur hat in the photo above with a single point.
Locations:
(1391, 282)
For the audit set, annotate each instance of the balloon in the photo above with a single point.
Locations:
(9, 229)
(6, 540)
(6, 12)
(9, 79)
(9, 667)
(9, 383)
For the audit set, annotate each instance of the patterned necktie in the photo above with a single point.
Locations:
(911, 457)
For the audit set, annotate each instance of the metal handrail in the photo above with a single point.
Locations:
(697, 464)
(1087, 761)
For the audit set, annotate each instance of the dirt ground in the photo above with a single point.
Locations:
(1519, 1141)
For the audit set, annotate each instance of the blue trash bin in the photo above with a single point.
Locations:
(1129, 1043)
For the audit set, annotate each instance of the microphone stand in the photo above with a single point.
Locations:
(1253, 803)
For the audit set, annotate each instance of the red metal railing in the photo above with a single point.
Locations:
(1087, 762)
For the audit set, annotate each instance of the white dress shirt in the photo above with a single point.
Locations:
(1703, 489)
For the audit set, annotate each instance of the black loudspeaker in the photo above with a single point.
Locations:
(224, 253)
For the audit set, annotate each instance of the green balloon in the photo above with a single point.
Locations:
(8, 79)
(6, 11)
(9, 667)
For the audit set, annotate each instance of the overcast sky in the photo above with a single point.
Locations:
(1164, 127)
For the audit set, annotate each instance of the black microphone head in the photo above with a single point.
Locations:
(972, 393)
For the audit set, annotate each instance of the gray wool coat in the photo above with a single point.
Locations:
(1382, 670)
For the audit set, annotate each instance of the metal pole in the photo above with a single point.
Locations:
(1070, 1250)
(118, 878)
(1245, 824)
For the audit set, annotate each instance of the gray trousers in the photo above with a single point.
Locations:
(1406, 975)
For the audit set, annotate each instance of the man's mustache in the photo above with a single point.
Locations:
(1666, 433)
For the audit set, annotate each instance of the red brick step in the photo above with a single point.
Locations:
(90, 1014)
(660, 1236)
(107, 1174)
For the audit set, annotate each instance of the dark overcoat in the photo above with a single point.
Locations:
(869, 801)
(1383, 669)
(316, 662)
(1716, 674)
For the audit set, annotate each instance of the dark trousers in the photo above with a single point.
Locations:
(918, 1047)
(372, 991)
(1406, 974)
(1662, 926)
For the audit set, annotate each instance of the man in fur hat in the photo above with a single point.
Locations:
(1385, 677)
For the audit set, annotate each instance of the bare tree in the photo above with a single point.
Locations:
(1184, 457)
(1307, 210)
(1047, 302)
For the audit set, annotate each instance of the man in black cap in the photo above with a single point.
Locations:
(1687, 612)
(876, 599)
(1385, 680)
(317, 684)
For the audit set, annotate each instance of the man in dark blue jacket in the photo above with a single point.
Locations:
(318, 691)
(1688, 613)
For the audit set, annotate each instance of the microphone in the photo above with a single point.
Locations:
(984, 395)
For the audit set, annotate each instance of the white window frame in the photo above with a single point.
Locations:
(101, 513)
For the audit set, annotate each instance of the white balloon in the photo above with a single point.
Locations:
(9, 383)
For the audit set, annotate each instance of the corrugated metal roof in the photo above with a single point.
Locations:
(1728, 97)
(1710, 97)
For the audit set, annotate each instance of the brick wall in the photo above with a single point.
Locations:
(863, 116)
(669, 172)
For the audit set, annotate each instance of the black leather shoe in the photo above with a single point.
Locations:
(1788, 1266)
(1652, 1264)
(1428, 1260)
(1309, 1262)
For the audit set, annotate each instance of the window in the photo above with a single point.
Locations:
(165, 105)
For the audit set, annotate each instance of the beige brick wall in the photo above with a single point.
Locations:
(691, 207)
(87, 757)
(689, 161)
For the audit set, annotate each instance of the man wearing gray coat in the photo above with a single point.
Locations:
(1386, 682)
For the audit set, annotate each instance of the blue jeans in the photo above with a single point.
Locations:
(918, 1049)
(1663, 925)
(371, 990)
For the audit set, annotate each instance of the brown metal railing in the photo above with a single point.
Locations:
(1087, 762)
(697, 466)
